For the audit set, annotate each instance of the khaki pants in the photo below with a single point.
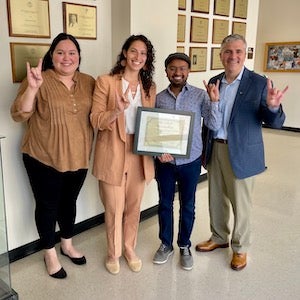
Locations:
(226, 190)
(122, 204)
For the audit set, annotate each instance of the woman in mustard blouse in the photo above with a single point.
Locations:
(55, 101)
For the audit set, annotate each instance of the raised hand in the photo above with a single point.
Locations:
(34, 75)
(213, 90)
(122, 101)
(274, 96)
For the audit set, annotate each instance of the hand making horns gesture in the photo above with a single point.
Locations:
(213, 90)
(34, 75)
(274, 96)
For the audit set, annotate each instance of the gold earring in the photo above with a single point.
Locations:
(123, 62)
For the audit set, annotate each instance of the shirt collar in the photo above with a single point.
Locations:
(239, 77)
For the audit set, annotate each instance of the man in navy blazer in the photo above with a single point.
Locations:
(235, 152)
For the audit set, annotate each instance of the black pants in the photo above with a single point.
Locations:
(55, 195)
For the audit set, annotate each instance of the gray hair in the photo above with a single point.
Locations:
(231, 38)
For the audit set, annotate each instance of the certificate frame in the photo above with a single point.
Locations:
(180, 49)
(220, 30)
(240, 9)
(216, 63)
(85, 20)
(28, 18)
(181, 25)
(159, 131)
(282, 57)
(182, 4)
(222, 7)
(239, 28)
(200, 6)
(198, 57)
(199, 30)
(25, 52)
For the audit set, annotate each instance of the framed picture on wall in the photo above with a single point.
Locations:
(215, 63)
(198, 56)
(282, 57)
(25, 52)
(239, 28)
(28, 18)
(220, 30)
(240, 9)
(182, 4)
(199, 30)
(80, 20)
(201, 6)
(221, 7)
(181, 28)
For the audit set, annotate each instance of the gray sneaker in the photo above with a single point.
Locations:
(186, 258)
(162, 254)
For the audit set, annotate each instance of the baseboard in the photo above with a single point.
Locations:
(293, 129)
(30, 248)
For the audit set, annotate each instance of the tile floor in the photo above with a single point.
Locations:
(273, 270)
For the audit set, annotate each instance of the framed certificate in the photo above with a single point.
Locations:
(161, 131)
(181, 28)
(240, 9)
(199, 30)
(80, 20)
(201, 6)
(180, 49)
(22, 53)
(28, 18)
(221, 7)
(220, 30)
(216, 63)
(198, 57)
(182, 4)
(239, 28)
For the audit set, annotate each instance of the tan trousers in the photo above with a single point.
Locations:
(226, 192)
(122, 204)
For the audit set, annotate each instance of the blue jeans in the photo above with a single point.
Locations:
(186, 176)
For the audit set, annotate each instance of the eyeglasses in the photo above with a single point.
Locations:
(180, 69)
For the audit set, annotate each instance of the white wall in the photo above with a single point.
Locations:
(279, 22)
(96, 58)
(156, 19)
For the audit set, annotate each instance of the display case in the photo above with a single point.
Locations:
(6, 291)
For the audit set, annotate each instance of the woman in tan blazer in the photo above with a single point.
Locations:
(121, 173)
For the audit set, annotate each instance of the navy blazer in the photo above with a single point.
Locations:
(249, 112)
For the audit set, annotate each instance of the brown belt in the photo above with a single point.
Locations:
(221, 141)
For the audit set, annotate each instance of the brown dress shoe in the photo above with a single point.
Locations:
(209, 246)
(239, 261)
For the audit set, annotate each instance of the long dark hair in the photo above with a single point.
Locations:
(146, 73)
(47, 60)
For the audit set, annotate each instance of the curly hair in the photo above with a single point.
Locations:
(47, 60)
(146, 73)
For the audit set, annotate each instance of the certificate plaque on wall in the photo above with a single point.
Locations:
(199, 30)
(240, 9)
(29, 18)
(221, 7)
(198, 56)
(22, 53)
(80, 20)
(180, 49)
(201, 6)
(216, 63)
(182, 4)
(181, 28)
(239, 28)
(220, 30)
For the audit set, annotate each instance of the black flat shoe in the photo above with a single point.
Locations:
(61, 274)
(75, 260)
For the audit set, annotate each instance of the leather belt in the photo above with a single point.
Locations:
(221, 141)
